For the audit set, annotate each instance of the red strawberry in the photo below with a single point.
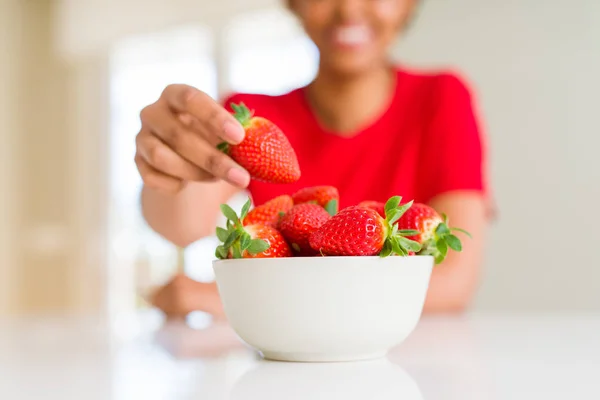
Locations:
(265, 152)
(434, 235)
(422, 218)
(276, 244)
(251, 241)
(325, 196)
(299, 223)
(360, 231)
(269, 212)
(374, 205)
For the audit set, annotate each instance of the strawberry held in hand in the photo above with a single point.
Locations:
(434, 234)
(360, 231)
(299, 223)
(327, 197)
(251, 241)
(270, 212)
(265, 151)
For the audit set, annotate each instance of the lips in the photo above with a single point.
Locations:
(352, 36)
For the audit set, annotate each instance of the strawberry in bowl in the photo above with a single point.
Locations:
(299, 223)
(361, 231)
(249, 241)
(270, 212)
(321, 288)
(434, 235)
(327, 197)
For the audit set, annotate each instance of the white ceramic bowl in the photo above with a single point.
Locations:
(324, 308)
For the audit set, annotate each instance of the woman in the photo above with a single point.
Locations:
(370, 129)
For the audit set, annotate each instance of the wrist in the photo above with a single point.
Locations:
(211, 300)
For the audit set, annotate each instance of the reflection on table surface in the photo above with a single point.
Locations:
(378, 379)
(482, 358)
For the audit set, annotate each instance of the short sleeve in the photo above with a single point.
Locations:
(452, 152)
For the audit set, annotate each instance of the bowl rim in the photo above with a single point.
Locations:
(271, 260)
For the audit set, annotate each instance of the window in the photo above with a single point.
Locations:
(269, 53)
(141, 67)
(265, 52)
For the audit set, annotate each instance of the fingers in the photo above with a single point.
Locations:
(192, 147)
(193, 124)
(162, 158)
(178, 140)
(183, 295)
(212, 117)
(155, 179)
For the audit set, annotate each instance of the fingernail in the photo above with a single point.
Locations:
(191, 93)
(233, 132)
(238, 177)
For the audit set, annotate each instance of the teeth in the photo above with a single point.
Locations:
(352, 35)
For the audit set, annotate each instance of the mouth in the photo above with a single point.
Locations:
(353, 37)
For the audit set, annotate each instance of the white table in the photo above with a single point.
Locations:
(483, 358)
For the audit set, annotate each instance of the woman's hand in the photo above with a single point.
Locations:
(178, 139)
(182, 295)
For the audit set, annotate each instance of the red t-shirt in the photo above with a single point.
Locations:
(426, 143)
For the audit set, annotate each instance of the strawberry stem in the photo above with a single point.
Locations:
(442, 240)
(396, 242)
(332, 207)
(242, 113)
(223, 147)
(235, 239)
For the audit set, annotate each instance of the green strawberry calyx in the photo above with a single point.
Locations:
(396, 241)
(234, 238)
(442, 240)
(243, 115)
(332, 207)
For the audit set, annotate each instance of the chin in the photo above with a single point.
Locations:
(345, 64)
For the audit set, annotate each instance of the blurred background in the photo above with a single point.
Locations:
(74, 75)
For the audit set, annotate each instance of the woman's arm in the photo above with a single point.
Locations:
(452, 285)
(188, 215)
(454, 282)
(183, 218)
(185, 176)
